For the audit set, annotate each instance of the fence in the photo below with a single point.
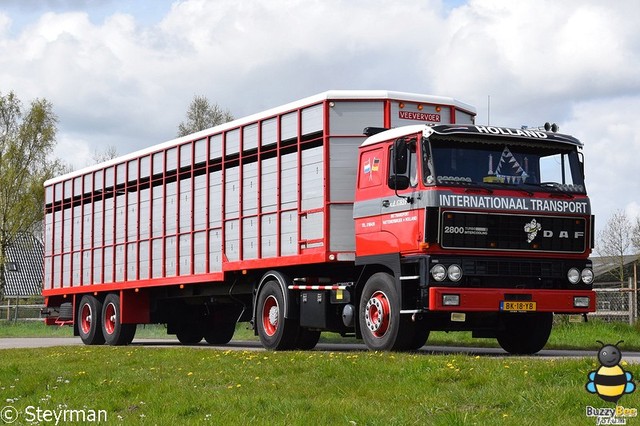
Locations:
(16, 309)
(616, 304)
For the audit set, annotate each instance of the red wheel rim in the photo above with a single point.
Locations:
(270, 314)
(110, 318)
(86, 318)
(377, 314)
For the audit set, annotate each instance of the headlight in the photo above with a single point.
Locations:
(450, 299)
(454, 273)
(587, 276)
(573, 275)
(581, 302)
(438, 272)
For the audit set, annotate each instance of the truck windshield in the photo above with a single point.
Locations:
(531, 166)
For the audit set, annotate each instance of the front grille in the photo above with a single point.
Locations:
(489, 231)
(510, 268)
(491, 272)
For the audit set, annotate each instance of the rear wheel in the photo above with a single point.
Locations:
(525, 334)
(115, 333)
(89, 324)
(419, 334)
(307, 339)
(379, 315)
(220, 334)
(276, 332)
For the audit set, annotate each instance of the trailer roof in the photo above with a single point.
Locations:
(315, 99)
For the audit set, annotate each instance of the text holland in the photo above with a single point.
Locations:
(511, 132)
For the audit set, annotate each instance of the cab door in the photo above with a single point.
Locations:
(400, 215)
(371, 184)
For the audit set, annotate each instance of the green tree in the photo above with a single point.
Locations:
(201, 115)
(27, 138)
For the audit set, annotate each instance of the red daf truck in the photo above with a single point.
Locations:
(299, 221)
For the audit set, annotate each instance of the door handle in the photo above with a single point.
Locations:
(385, 203)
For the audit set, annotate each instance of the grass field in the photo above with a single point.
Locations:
(200, 386)
(565, 335)
(136, 385)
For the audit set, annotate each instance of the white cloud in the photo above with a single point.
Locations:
(607, 129)
(117, 78)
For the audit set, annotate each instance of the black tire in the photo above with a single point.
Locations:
(89, 320)
(419, 334)
(525, 334)
(307, 339)
(190, 334)
(65, 312)
(379, 315)
(115, 333)
(220, 334)
(276, 332)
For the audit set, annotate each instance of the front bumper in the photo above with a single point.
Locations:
(491, 300)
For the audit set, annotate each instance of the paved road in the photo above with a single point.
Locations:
(41, 342)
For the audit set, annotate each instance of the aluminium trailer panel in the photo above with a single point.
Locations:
(266, 191)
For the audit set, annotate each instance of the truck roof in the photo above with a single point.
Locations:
(472, 130)
(324, 96)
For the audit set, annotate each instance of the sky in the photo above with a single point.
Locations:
(122, 73)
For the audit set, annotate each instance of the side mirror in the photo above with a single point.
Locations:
(398, 182)
(400, 156)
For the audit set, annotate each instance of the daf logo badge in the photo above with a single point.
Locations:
(532, 229)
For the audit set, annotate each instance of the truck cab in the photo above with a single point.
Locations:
(479, 228)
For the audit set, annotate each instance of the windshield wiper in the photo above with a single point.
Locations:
(553, 185)
(510, 186)
(468, 185)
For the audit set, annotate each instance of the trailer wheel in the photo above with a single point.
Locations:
(65, 312)
(379, 315)
(307, 339)
(115, 333)
(525, 334)
(220, 334)
(276, 332)
(190, 333)
(89, 324)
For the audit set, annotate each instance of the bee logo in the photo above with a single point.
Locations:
(610, 381)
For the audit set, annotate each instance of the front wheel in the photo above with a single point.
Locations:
(115, 333)
(379, 316)
(525, 334)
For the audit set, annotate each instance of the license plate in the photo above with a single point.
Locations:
(517, 306)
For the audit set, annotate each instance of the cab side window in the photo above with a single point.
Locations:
(411, 171)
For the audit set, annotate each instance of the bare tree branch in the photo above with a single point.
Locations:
(203, 115)
(614, 242)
